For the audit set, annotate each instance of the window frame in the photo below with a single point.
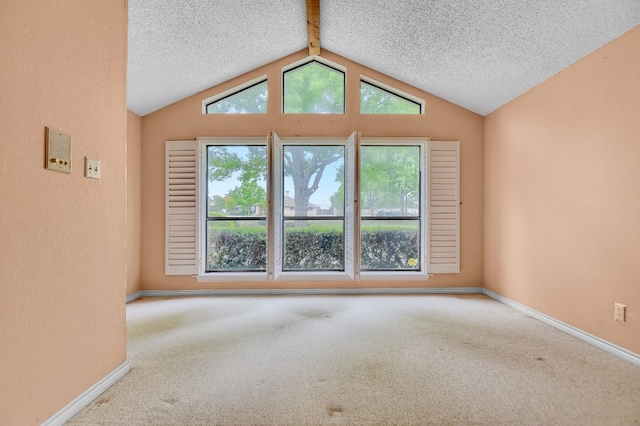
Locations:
(209, 219)
(321, 218)
(278, 273)
(422, 273)
(202, 220)
(392, 90)
(321, 61)
(235, 90)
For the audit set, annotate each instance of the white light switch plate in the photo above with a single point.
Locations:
(91, 168)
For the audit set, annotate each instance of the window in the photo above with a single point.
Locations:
(377, 98)
(313, 88)
(313, 207)
(313, 229)
(288, 210)
(250, 98)
(236, 214)
(391, 207)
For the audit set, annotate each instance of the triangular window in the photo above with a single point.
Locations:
(246, 99)
(313, 88)
(374, 99)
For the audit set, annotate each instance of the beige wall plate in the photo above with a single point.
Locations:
(92, 168)
(58, 151)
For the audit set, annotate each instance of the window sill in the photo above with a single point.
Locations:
(394, 275)
(313, 276)
(230, 276)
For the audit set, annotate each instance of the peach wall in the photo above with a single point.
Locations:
(184, 120)
(134, 173)
(63, 248)
(562, 205)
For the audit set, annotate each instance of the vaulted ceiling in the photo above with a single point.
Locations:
(478, 54)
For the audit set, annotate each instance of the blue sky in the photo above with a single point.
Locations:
(328, 184)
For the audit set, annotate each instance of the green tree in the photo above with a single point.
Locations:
(374, 100)
(337, 199)
(406, 177)
(305, 164)
(249, 163)
(216, 205)
(389, 178)
(252, 100)
(314, 88)
(376, 183)
(242, 199)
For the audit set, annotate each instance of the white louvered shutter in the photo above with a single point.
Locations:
(181, 197)
(443, 251)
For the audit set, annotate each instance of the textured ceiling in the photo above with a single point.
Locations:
(478, 54)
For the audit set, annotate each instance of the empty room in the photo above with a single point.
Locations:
(320, 212)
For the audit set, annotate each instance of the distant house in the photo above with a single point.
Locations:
(290, 207)
(257, 210)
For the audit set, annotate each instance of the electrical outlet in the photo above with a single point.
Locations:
(91, 168)
(619, 312)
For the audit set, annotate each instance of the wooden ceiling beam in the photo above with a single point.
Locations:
(313, 26)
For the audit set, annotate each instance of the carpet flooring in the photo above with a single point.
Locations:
(359, 360)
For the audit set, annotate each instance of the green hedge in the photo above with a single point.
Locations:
(389, 249)
(237, 249)
(307, 248)
(313, 248)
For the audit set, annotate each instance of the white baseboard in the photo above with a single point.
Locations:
(75, 406)
(134, 296)
(569, 329)
(310, 292)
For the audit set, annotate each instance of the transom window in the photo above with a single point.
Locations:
(374, 99)
(313, 88)
(247, 99)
